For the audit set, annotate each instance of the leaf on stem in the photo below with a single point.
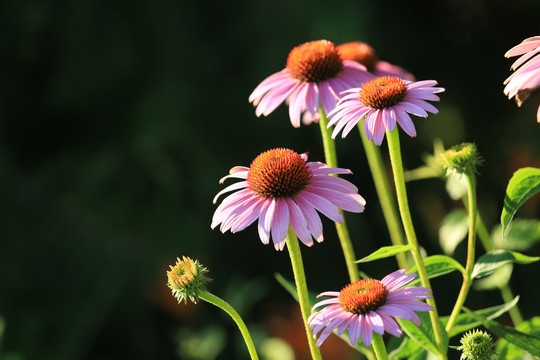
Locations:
(438, 265)
(384, 252)
(493, 260)
(524, 183)
(423, 334)
(465, 321)
(529, 343)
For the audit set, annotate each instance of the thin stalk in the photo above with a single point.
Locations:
(471, 245)
(514, 312)
(342, 231)
(401, 191)
(384, 193)
(212, 299)
(378, 346)
(506, 291)
(301, 288)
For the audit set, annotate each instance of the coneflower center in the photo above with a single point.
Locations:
(360, 52)
(363, 296)
(314, 61)
(278, 173)
(182, 274)
(383, 92)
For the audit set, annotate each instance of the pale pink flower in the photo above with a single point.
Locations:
(281, 189)
(315, 74)
(365, 54)
(369, 305)
(526, 78)
(384, 101)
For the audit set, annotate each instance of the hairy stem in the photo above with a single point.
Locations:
(212, 299)
(384, 193)
(301, 288)
(342, 231)
(403, 203)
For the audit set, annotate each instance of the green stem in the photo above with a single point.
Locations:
(301, 288)
(514, 312)
(379, 347)
(342, 231)
(212, 299)
(384, 193)
(467, 276)
(399, 180)
(506, 291)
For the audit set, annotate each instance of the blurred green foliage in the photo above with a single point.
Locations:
(118, 118)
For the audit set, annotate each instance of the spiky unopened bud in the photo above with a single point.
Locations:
(476, 345)
(462, 159)
(186, 279)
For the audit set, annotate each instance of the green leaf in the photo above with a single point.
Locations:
(438, 265)
(520, 235)
(497, 280)
(291, 289)
(529, 343)
(453, 230)
(465, 322)
(493, 260)
(423, 334)
(507, 350)
(402, 348)
(384, 252)
(524, 183)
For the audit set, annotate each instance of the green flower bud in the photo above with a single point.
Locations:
(462, 159)
(187, 279)
(476, 345)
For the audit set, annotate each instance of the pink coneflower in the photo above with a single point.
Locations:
(526, 79)
(384, 101)
(369, 305)
(365, 54)
(315, 73)
(281, 188)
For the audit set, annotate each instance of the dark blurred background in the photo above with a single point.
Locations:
(118, 118)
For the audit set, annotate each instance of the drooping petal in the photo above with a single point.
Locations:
(322, 205)
(265, 220)
(280, 223)
(299, 223)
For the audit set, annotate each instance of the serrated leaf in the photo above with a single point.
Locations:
(465, 322)
(423, 334)
(520, 235)
(438, 265)
(493, 260)
(524, 183)
(453, 230)
(529, 343)
(384, 252)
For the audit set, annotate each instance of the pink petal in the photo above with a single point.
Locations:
(298, 100)
(299, 223)
(280, 224)
(322, 205)
(312, 218)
